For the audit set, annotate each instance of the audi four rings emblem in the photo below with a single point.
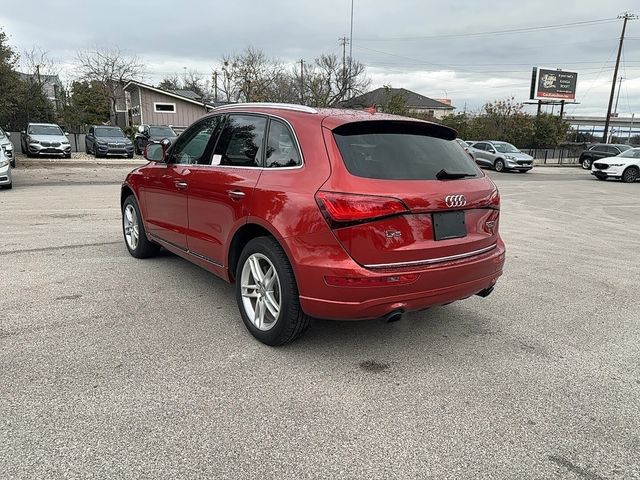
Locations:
(455, 201)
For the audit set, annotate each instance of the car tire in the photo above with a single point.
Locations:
(602, 178)
(129, 155)
(22, 149)
(67, 156)
(586, 163)
(13, 163)
(135, 236)
(523, 171)
(7, 187)
(137, 148)
(630, 175)
(498, 165)
(277, 291)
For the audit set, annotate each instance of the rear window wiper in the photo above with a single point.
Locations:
(446, 174)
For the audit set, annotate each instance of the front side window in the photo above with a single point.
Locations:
(240, 143)
(479, 146)
(631, 153)
(191, 146)
(282, 150)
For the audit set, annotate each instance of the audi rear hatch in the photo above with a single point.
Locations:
(404, 193)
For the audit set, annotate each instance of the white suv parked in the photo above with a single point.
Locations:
(625, 166)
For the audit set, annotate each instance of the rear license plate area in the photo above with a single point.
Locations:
(448, 225)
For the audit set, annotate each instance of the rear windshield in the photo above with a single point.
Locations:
(401, 151)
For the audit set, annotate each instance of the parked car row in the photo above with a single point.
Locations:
(625, 166)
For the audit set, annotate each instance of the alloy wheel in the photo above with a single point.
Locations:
(630, 175)
(131, 229)
(260, 290)
(586, 164)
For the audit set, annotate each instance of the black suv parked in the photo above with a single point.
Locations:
(105, 140)
(600, 150)
(153, 133)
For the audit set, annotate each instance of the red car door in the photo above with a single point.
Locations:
(220, 194)
(167, 186)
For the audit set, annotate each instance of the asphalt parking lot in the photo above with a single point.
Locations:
(112, 367)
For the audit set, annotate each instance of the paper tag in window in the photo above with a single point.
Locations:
(216, 160)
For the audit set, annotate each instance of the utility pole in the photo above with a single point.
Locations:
(302, 81)
(343, 42)
(215, 85)
(350, 52)
(626, 16)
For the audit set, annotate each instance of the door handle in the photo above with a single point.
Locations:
(236, 194)
(180, 185)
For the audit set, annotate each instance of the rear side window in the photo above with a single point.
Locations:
(282, 150)
(391, 150)
(240, 143)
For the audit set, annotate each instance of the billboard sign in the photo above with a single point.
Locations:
(553, 84)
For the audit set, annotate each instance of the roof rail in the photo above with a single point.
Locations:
(281, 106)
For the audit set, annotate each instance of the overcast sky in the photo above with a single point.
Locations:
(439, 49)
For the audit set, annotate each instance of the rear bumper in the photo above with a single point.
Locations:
(436, 285)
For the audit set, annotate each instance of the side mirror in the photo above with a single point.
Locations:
(8, 134)
(140, 128)
(23, 132)
(66, 133)
(156, 152)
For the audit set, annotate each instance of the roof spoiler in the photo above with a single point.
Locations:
(412, 127)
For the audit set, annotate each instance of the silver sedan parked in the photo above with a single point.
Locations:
(500, 156)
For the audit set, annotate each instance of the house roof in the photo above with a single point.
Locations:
(187, 93)
(165, 92)
(412, 99)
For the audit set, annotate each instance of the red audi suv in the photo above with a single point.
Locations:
(326, 213)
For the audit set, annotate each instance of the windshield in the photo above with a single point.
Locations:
(631, 153)
(108, 132)
(624, 147)
(45, 130)
(386, 151)
(504, 147)
(162, 132)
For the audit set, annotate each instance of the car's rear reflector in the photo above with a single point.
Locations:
(372, 281)
(342, 209)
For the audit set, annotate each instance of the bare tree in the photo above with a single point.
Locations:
(327, 83)
(38, 62)
(112, 68)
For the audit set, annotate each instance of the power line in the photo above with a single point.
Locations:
(497, 32)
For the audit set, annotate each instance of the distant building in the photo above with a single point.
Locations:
(51, 87)
(150, 105)
(415, 102)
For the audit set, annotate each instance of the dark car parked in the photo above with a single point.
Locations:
(600, 150)
(103, 140)
(153, 134)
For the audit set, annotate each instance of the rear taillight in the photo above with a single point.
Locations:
(494, 199)
(341, 209)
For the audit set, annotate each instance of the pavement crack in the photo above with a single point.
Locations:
(61, 247)
(572, 467)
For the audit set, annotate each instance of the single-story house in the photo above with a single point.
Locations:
(415, 102)
(150, 105)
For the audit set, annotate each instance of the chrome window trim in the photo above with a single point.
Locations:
(433, 260)
(271, 169)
